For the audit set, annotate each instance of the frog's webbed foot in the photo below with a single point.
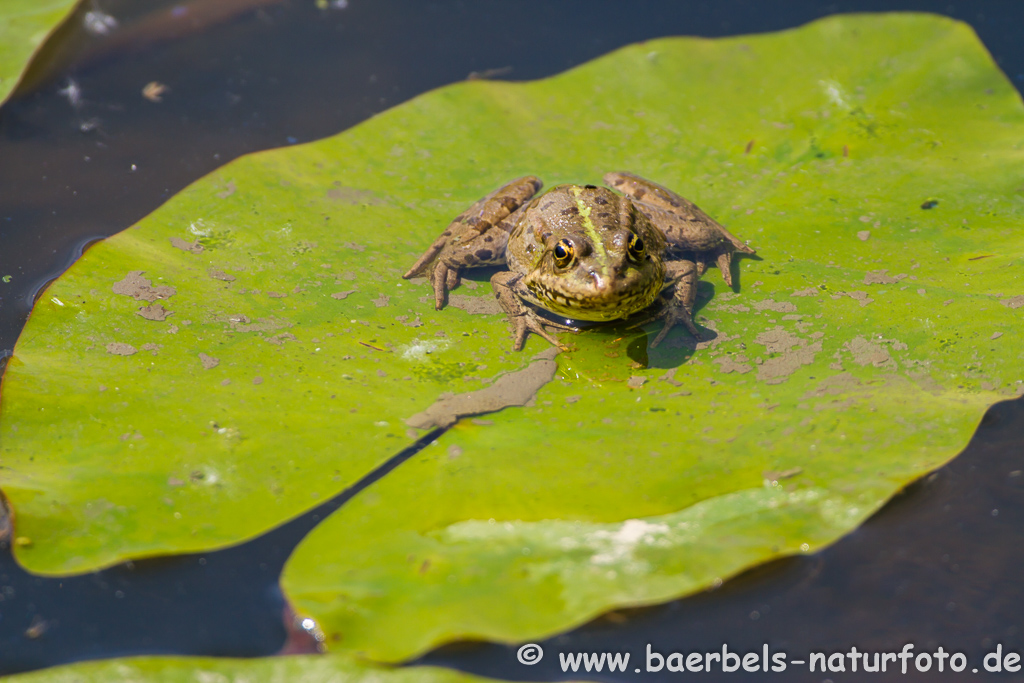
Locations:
(443, 278)
(674, 313)
(682, 275)
(477, 237)
(528, 321)
(522, 316)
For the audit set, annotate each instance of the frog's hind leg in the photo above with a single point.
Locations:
(477, 237)
(685, 226)
(519, 314)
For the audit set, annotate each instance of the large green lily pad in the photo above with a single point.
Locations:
(858, 353)
(24, 26)
(306, 668)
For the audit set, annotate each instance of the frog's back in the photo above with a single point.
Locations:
(590, 214)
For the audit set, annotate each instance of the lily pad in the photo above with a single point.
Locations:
(250, 349)
(24, 26)
(859, 352)
(306, 668)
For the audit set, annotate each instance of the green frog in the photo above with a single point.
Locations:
(583, 252)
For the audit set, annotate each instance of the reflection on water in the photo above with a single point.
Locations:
(93, 145)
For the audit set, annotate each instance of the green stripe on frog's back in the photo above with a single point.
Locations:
(588, 225)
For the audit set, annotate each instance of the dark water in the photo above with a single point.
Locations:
(937, 566)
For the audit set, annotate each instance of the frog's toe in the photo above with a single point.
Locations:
(724, 262)
(530, 322)
(674, 316)
(454, 278)
(440, 276)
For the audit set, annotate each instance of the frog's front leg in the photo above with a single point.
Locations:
(477, 237)
(524, 318)
(681, 296)
(685, 226)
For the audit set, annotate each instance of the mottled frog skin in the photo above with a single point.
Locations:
(583, 252)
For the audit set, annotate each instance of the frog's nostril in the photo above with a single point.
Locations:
(596, 277)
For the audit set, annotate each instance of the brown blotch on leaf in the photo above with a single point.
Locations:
(342, 295)
(381, 301)
(478, 305)
(728, 364)
(228, 190)
(670, 378)
(209, 362)
(141, 289)
(1013, 302)
(121, 349)
(154, 312)
(282, 338)
(512, 389)
(190, 247)
(221, 275)
(881, 277)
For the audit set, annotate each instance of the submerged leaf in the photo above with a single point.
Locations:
(307, 668)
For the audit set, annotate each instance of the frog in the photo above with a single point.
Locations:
(584, 253)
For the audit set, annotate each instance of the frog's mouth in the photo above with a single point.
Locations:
(591, 303)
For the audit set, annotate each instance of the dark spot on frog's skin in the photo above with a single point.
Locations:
(545, 236)
(600, 200)
(483, 254)
(590, 187)
(547, 206)
(488, 238)
(571, 211)
(509, 203)
(639, 193)
(470, 259)
(446, 233)
(603, 214)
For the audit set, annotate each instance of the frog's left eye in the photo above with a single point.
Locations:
(564, 252)
(636, 246)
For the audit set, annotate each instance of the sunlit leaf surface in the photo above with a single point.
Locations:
(24, 25)
(250, 349)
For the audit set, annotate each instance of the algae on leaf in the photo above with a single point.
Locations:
(24, 25)
(250, 348)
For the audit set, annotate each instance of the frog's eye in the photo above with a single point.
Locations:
(636, 246)
(564, 252)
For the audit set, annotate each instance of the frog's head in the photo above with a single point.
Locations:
(601, 259)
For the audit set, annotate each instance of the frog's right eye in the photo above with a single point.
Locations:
(564, 252)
